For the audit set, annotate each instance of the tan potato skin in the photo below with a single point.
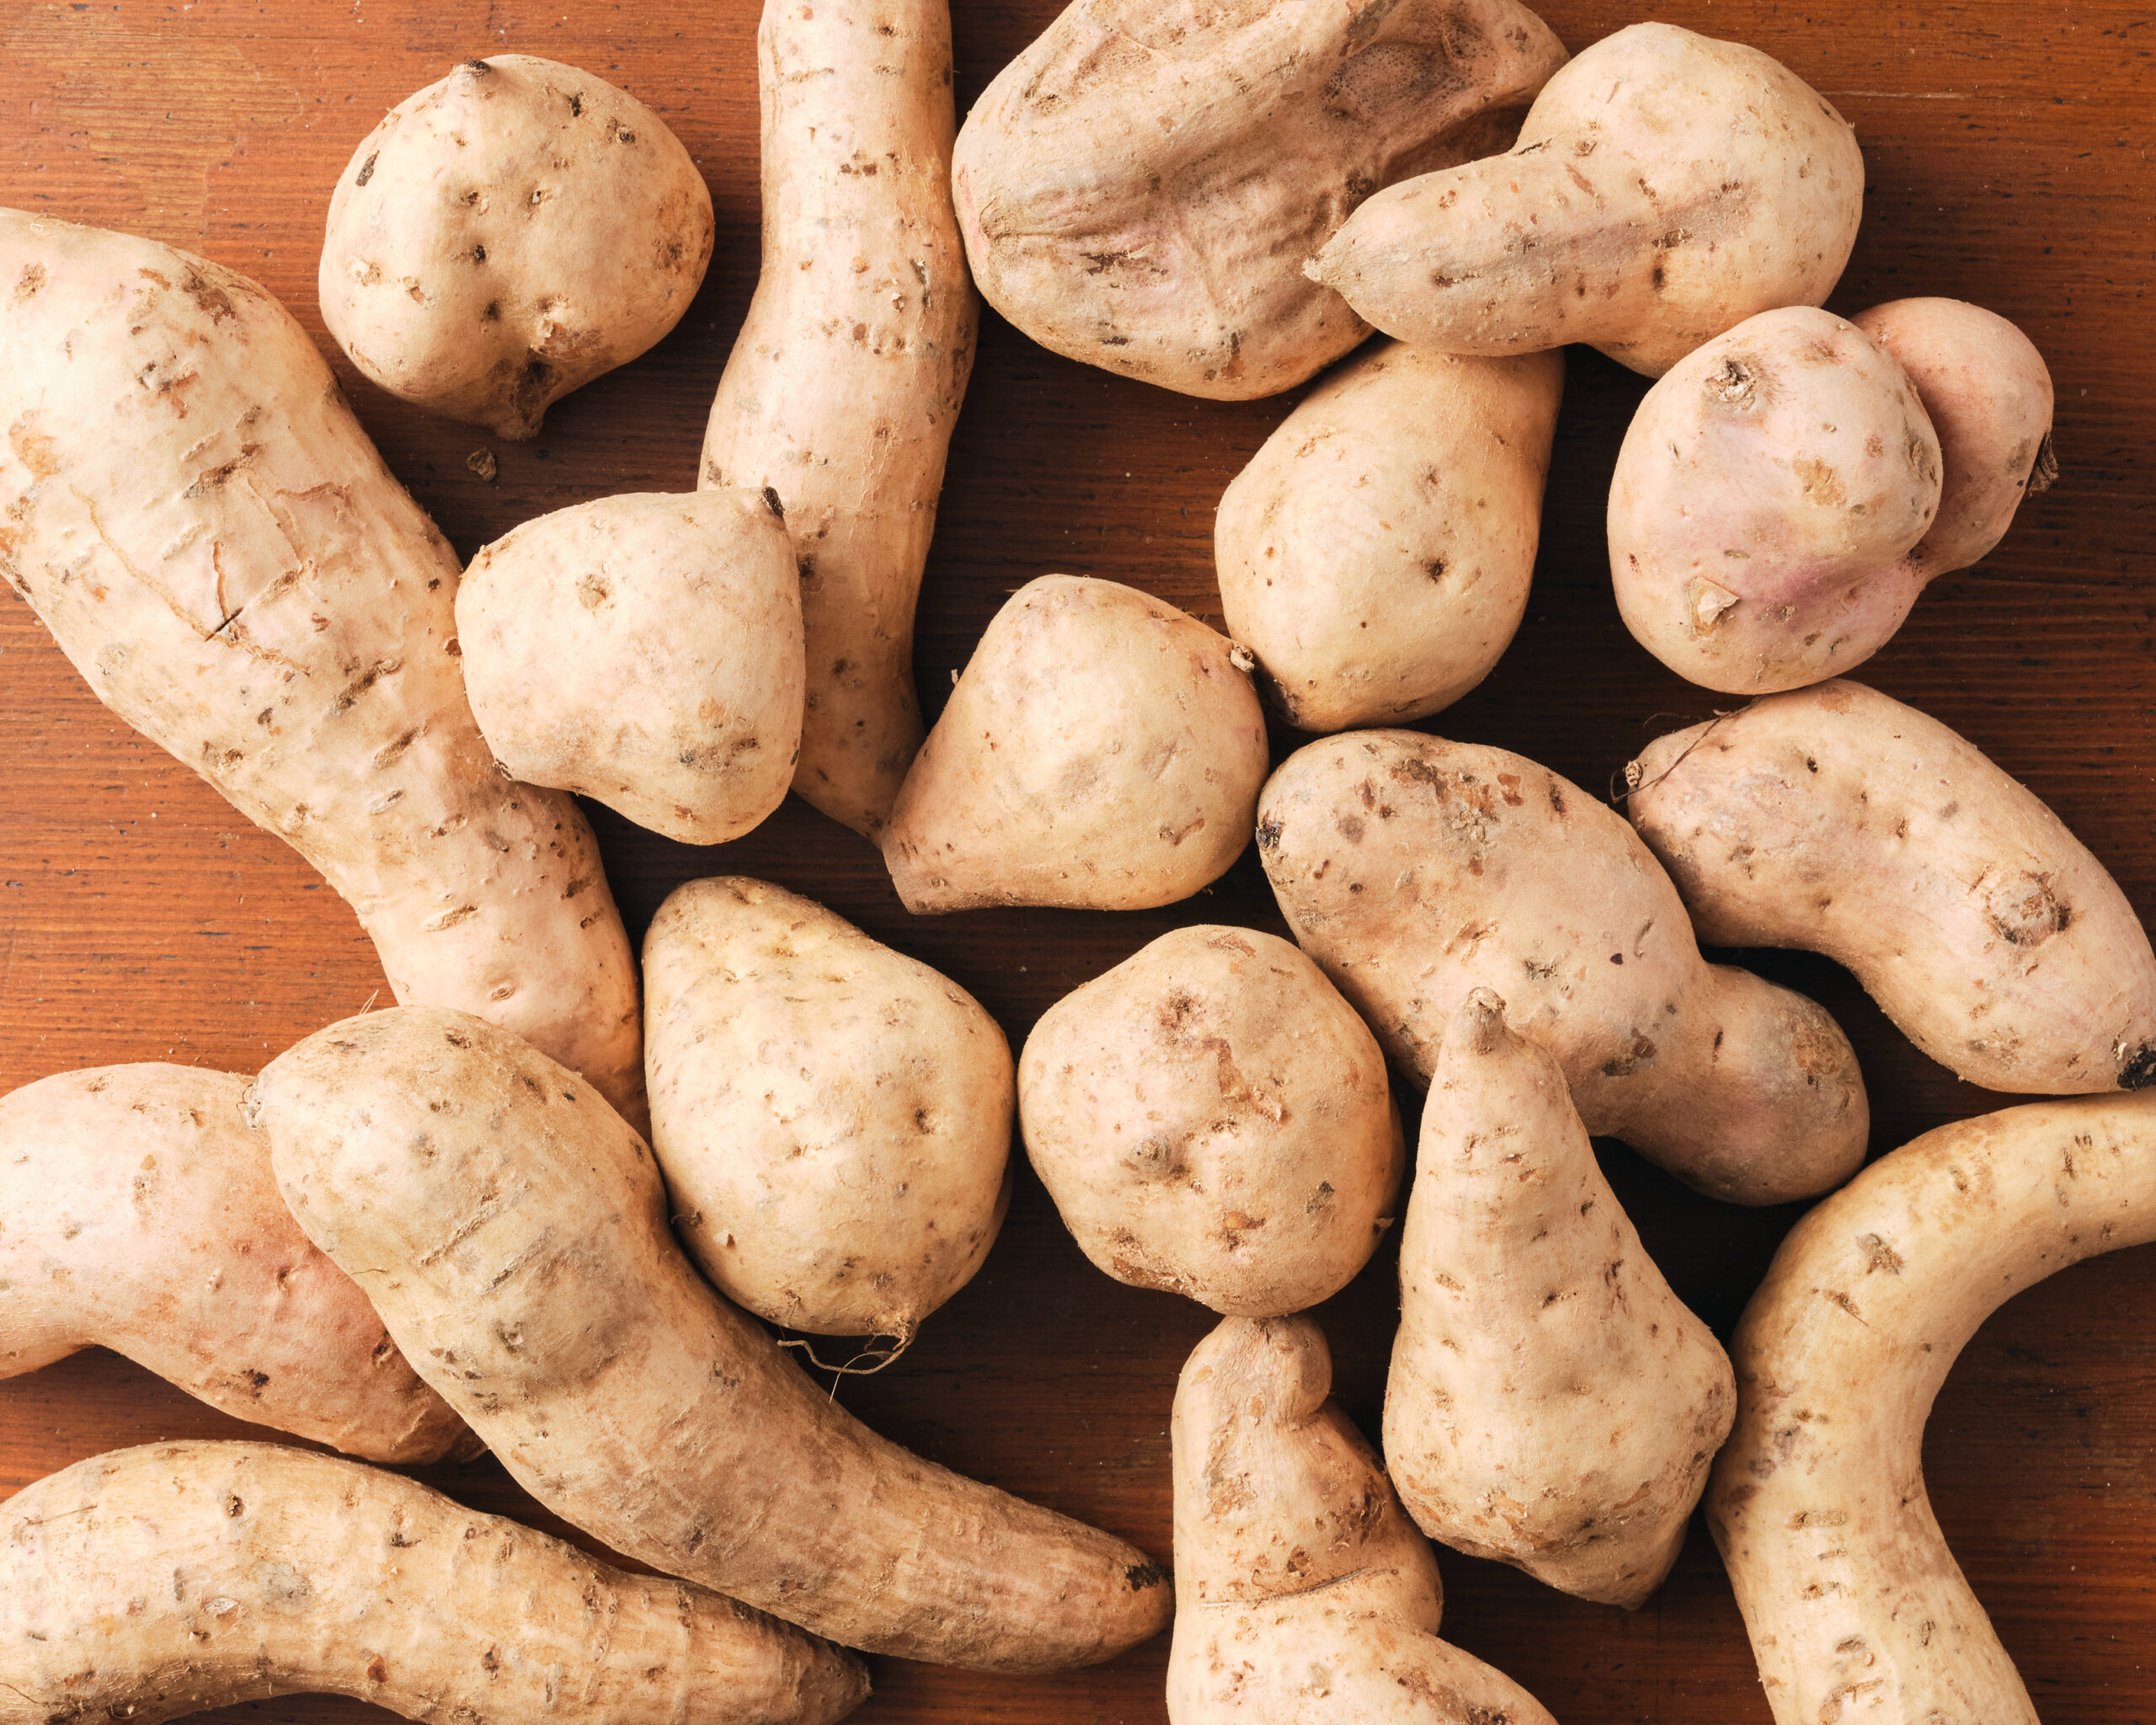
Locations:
(1766, 502)
(1139, 187)
(644, 650)
(194, 514)
(844, 383)
(151, 1583)
(1988, 393)
(1414, 869)
(1375, 554)
(138, 1213)
(1665, 187)
(1837, 819)
(832, 1118)
(1305, 1593)
(1552, 1404)
(512, 1232)
(1103, 750)
(508, 234)
(1855, 1607)
(1212, 1119)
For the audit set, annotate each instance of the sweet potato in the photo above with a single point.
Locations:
(1101, 751)
(1552, 1404)
(833, 1117)
(1375, 554)
(1212, 1119)
(1306, 1593)
(1837, 819)
(1855, 1605)
(198, 519)
(644, 650)
(506, 235)
(138, 1213)
(1414, 869)
(844, 386)
(512, 1231)
(1665, 187)
(1138, 188)
(151, 1582)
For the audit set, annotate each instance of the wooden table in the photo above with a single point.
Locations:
(141, 918)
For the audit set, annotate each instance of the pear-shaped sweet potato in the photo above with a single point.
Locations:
(833, 1117)
(1101, 751)
(1665, 187)
(1375, 554)
(1139, 188)
(1552, 1404)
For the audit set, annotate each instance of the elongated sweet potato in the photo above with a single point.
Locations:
(844, 385)
(195, 514)
(138, 1213)
(1855, 1606)
(513, 1233)
(151, 1583)
(1837, 819)
(1414, 869)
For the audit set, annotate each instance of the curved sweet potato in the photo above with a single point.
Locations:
(513, 1232)
(155, 1582)
(198, 519)
(138, 1213)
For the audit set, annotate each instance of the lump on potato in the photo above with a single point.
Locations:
(832, 1116)
(1101, 752)
(1212, 1119)
(508, 234)
(645, 651)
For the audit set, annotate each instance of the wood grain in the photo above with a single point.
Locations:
(2007, 149)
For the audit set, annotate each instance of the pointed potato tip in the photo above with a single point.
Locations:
(1482, 1017)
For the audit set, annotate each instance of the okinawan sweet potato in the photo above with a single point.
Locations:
(147, 1584)
(644, 650)
(1665, 188)
(1375, 554)
(506, 235)
(1138, 189)
(1837, 819)
(1101, 751)
(1212, 1119)
(1765, 501)
(844, 383)
(1817, 1502)
(1552, 1404)
(513, 1233)
(138, 1213)
(833, 1117)
(1414, 869)
(1305, 1594)
(198, 519)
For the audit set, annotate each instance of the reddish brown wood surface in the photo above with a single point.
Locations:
(141, 917)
